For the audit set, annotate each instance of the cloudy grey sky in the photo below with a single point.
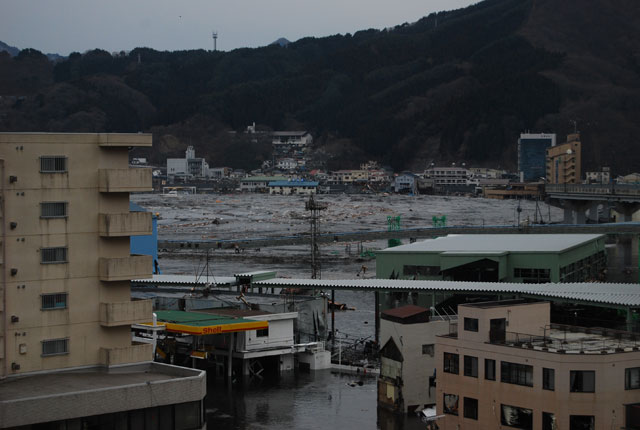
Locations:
(64, 26)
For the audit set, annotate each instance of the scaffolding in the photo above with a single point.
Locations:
(315, 207)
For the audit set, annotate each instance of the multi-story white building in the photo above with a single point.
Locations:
(188, 167)
(506, 365)
(66, 311)
(450, 176)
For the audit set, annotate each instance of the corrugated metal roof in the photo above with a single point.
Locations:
(255, 273)
(597, 292)
(477, 243)
(187, 280)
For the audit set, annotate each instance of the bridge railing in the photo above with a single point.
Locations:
(599, 189)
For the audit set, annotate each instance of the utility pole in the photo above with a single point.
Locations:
(214, 34)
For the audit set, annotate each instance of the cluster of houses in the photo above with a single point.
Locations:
(290, 171)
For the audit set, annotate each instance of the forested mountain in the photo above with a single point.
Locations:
(453, 86)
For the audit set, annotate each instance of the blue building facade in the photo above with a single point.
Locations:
(148, 244)
(532, 150)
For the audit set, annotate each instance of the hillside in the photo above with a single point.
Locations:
(453, 86)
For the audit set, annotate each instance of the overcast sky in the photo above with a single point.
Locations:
(64, 26)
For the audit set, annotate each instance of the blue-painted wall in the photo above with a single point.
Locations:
(146, 245)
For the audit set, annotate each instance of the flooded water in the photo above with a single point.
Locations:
(321, 399)
(316, 400)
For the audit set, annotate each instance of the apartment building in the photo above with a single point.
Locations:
(564, 162)
(506, 366)
(66, 270)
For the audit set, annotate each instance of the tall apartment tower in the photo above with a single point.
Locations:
(564, 162)
(66, 271)
(532, 149)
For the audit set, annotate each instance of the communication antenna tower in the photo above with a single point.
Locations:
(315, 207)
(214, 34)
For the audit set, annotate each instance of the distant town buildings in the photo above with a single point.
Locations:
(293, 186)
(564, 162)
(532, 149)
(601, 177)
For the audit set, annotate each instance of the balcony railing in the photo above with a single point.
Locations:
(570, 339)
(127, 268)
(124, 180)
(134, 353)
(126, 224)
(126, 313)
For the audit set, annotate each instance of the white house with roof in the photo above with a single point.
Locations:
(293, 186)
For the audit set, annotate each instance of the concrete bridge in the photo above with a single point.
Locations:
(582, 202)
(626, 228)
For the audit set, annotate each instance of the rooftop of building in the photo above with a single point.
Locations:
(202, 323)
(476, 243)
(565, 339)
(409, 314)
(293, 183)
(93, 378)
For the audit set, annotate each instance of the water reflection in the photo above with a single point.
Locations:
(299, 400)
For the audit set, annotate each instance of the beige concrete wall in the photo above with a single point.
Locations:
(530, 318)
(125, 224)
(606, 404)
(125, 313)
(79, 187)
(417, 367)
(136, 352)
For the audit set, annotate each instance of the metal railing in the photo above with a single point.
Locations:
(563, 338)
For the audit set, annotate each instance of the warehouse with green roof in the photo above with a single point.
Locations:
(528, 258)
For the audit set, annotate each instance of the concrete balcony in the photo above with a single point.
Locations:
(127, 224)
(107, 140)
(124, 180)
(126, 313)
(127, 268)
(135, 353)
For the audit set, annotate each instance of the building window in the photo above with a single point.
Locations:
(471, 324)
(632, 378)
(54, 301)
(582, 422)
(55, 347)
(470, 366)
(450, 404)
(262, 333)
(513, 416)
(428, 350)
(515, 373)
(53, 210)
(489, 369)
(53, 164)
(549, 421)
(470, 408)
(451, 363)
(53, 255)
(632, 415)
(548, 379)
(582, 381)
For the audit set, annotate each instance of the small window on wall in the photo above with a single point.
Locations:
(471, 324)
(53, 210)
(632, 378)
(450, 404)
(549, 421)
(428, 349)
(582, 422)
(489, 369)
(53, 255)
(451, 363)
(55, 347)
(548, 379)
(262, 333)
(53, 164)
(471, 366)
(54, 301)
(470, 408)
(582, 381)
(516, 417)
